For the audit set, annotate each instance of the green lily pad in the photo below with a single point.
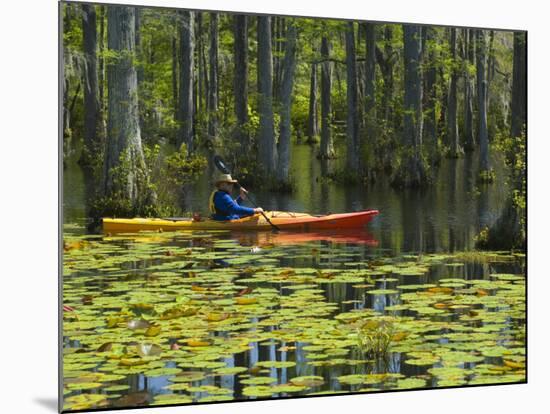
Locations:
(188, 376)
(409, 383)
(276, 364)
(114, 388)
(230, 370)
(259, 381)
(79, 386)
(308, 381)
(258, 391)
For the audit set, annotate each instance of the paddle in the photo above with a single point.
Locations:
(220, 165)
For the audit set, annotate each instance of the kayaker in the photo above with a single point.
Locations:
(223, 207)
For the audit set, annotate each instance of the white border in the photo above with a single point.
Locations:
(28, 75)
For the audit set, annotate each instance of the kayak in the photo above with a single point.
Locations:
(282, 219)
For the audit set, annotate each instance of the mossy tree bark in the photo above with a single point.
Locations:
(213, 105)
(187, 75)
(386, 60)
(430, 97)
(240, 82)
(313, 116)
(101, 62)
(370, 78)
(352, 127)
(469, 135)
(69, 69)
(327, 147)
(201, 65)
(287, 83)
(92, 108)
(483, 136)
(267, 150)
(175, 68)
(125, 174)
(519, 85)
(452, 124)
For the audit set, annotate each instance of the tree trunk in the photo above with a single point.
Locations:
(490, 66)
(482, 102)
(203, 68)
(267, 149)
(412, 171)
(387, 96)
(370, 79)
(213, 87)
(139, 51)
(67, 66)
(430, 129)
(361, 74)
(326, 150)
(352, 131)
(313, 117)
(101, 80)
(275, 47)
(200, 65)
(240, 80)
(175, 71)
(469, 135)
(452, 125)
(139, 70)
(278, 24)
(125, 174)
(92, 120)
(519, 85)
(186, 67)
(287, 82)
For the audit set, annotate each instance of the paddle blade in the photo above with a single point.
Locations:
(220, 165)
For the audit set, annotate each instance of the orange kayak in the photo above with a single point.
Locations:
(282, 219)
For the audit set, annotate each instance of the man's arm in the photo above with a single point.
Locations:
(231, 206)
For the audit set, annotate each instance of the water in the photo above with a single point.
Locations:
(444, 217)
(169, 318)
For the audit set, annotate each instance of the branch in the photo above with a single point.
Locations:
(506, 75)
(74, 98)
(315, 62)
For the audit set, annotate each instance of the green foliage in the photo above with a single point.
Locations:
(486, 176)
(300, 113)
(160, 181)
(411, 169)
(72, 26)
(168, 173)
(182, 168)
(384, 152)
(509, 232)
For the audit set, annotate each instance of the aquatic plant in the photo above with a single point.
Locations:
(375, 336)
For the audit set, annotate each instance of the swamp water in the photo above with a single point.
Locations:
(174, 318)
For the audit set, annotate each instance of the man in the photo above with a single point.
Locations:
(223, 207)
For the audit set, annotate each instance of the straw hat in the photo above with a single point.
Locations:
(224, 178)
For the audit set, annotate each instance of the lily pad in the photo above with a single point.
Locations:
(308, 381)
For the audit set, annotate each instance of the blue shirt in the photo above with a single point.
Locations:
(229, 209)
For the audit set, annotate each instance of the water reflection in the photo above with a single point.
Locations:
(444, 217)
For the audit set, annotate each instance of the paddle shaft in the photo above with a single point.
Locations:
(255, 205)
